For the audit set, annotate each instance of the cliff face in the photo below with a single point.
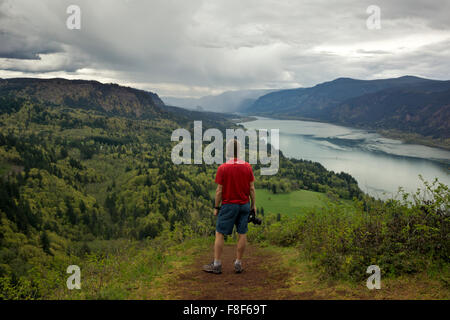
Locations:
(110, 98)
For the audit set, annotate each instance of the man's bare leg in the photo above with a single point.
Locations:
(218, 246)
(242, 242)
(216, 266)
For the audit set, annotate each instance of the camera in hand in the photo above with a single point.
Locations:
(252, 217)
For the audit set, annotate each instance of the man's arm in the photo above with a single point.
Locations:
(253, 195)
(218, 199)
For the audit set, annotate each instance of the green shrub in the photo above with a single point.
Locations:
(402, 236)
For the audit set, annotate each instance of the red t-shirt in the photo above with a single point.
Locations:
(235, 176)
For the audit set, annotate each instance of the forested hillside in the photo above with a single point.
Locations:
(415, 109)
(310, 102)
(74, 173)
(111, 99)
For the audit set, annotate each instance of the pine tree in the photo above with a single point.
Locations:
(71, 213)
(45, 242)
(82, 206)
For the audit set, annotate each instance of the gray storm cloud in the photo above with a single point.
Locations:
(199, 47)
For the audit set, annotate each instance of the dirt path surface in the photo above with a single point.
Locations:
(273, 274)
(262, 278)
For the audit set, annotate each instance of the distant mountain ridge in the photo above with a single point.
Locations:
(229, 101)
(108, 98)
(409, 104)
(420, 108)
(105, 98)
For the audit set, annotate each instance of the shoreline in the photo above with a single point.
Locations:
(415, 138)
(404, 137)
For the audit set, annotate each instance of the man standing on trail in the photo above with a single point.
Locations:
(235, 184)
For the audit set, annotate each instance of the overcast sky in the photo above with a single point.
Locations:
(200, 47)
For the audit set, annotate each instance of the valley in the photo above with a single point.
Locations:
(87, 179)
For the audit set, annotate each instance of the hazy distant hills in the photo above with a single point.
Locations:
(408, 104)
(230, 101)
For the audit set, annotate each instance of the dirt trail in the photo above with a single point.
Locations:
(263, 278)
(270, 274)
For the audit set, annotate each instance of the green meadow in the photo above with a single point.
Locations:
(290, 203)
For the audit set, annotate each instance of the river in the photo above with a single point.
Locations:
(380, 165)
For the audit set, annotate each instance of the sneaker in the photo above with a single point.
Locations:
(238, 267)
(212, 268)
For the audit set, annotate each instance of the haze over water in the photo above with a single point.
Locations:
(380, 165)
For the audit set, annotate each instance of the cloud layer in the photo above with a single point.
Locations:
(200, 47)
